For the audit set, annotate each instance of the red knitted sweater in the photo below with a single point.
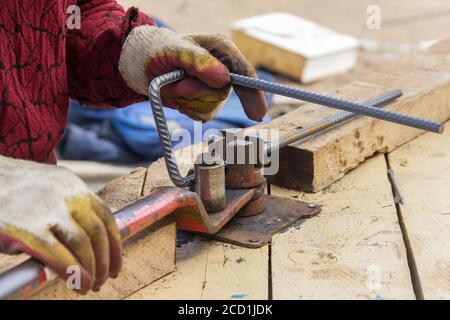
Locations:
(43, 63)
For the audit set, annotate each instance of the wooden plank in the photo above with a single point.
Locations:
(214, 271)
(422, 172)
(146, 258)
(425, 81)
(352, 250)
(187, 280)
(123, 190)
(236, 272)
(157, 174)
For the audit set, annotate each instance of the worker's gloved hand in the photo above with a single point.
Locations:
(49, 213)
(207, 59)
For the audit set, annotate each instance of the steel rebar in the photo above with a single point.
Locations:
(336, 103)
(328, 123)
(163, 130)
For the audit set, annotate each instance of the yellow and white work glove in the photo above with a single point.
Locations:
(49, 213)
(150, 51)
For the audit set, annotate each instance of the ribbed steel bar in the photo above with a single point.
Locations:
(328, 123)
(163, 130)
(336, 103)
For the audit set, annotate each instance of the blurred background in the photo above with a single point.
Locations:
(426, 19)
(405, 27)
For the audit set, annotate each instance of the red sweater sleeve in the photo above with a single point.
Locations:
(93, 53)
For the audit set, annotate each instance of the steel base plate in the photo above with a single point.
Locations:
(256, 231)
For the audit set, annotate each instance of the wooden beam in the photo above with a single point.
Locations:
(425, 81)
(147, 258)
(422, 172)
(352, 250)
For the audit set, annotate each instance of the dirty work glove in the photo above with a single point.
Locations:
(49, 213)
(149, 52)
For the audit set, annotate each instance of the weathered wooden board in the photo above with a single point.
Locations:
(188, 279)
(352, 250)
(157, 174)
(146, 258)
(236, 272)
(425, 81)
(213, 270)
(123, 190)
(422, 172)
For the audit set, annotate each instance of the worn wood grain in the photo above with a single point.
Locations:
(352, 250)
(188, 279)
(213, 270)
(123, 190)
(422, 172)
